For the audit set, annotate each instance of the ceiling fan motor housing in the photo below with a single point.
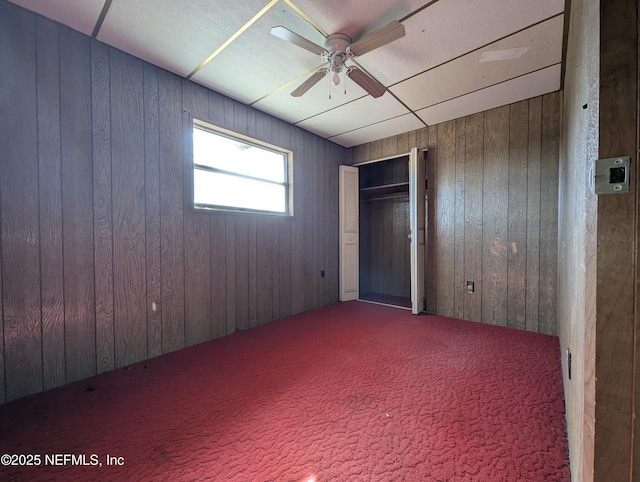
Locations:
(336, 46)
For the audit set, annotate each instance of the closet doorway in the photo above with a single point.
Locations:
(382, 205)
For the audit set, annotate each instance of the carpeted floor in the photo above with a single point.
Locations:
(348, 392)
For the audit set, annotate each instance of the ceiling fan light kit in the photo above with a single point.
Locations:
(338, 49)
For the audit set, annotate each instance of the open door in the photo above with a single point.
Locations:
(349, 242)
(417, 219)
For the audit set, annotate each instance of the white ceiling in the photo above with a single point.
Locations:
(458, 57)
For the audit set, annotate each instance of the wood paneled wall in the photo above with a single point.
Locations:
(384, 248)
(492, 212)
(598, 274)
(577, 272)
(96, 220)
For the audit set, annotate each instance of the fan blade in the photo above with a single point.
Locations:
(294, 38)
(371, 85)
(387, 34)
(310, 82)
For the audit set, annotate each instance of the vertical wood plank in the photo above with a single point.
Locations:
(171, 212)
(473, 220)
(386, 228)
(444, 224)
(102, 205)
(412, 140)
(618, 232)
(533, 214)
(230, 265)
(242, 272)
(389, 146)
(218, 276)
(284, 242)
(266, 244)
(376, 243)
(399, 245)
(459, 289)
(253, 272)
(319, 207)
(50, 197)
(284, 248)
(360, 153)
(129, 273)
(297, 227)
(422, 138)
(153, 261)
(431, 137)
(517, 216)
(19, 202)
(494, 214)
(77, 204)
(376, 150)
(308, 215)
(264, 274)
(218, 242)
(549, 212)
(272, 136)
(315, 173)
(216, 109)
(197, 229)
(402, 145)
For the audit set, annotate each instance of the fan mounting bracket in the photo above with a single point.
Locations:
(338, 43)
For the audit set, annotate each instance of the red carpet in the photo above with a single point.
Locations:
(349, 392)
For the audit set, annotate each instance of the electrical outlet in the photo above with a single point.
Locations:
(470, 287)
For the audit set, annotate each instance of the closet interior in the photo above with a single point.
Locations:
(385, 264)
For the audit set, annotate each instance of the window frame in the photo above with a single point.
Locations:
(221, 131)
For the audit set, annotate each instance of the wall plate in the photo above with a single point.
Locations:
(611, 176)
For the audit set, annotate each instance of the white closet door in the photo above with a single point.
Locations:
(417, 228)
(349, 248)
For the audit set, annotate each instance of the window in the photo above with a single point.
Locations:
(234, 173)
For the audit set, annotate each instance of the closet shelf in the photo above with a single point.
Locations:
(384, 190)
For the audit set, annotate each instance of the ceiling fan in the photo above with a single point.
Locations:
(338, 48)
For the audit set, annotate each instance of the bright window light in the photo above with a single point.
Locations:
(234, 173)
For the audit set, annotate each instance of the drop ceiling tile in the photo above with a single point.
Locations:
(316, 101)
(386, 128)
(80, 15)
(468, 74)
(176, 35)
(448, 29)
(356, 18)
(525, 87)
(257, 63)
(356, 114)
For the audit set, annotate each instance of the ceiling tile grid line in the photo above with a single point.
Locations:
(372, 124)
(100, 21)
(306, 18)
(233, 37)
(291, 82)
